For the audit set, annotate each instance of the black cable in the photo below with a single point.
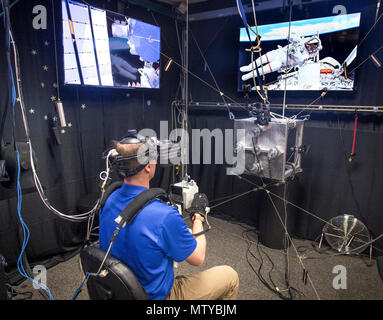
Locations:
(12, 293)
(258, 273)
(286, 242)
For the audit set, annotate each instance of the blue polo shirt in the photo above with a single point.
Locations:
(156, 238)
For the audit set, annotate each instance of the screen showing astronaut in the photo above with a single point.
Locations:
(311, 54)
(102, 48)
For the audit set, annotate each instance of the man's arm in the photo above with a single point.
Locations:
(197, 258)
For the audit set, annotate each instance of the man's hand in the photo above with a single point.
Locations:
(197, 216)
(198, 205)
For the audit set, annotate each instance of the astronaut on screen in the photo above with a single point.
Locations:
(301, 49)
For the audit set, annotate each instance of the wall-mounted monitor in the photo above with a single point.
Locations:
(106, 49)
(317, 55)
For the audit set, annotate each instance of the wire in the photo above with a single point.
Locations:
(253, 48)
(74, 218)
(14, 293)
(365, 60)
(54, 37)
(89, 274)
(78, 290)
(273, 287)
(298, 207)
(353, 194)
(235, 197)
(287, 57)
(292, 243)
(211, 73)
(26, 232)
(10, 6)
(286, 240)
(200, 79)
(310, 104)
(290, 239)
(373, 26)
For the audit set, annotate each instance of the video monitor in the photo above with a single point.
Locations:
(311, 54)
(106, 49)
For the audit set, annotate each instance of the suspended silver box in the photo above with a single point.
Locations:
(271, 151)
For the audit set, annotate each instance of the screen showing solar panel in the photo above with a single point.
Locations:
(83, 43)
(104, 48)
(71, 72)
(101, 40)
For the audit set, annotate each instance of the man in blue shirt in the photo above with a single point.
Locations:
(156, 238)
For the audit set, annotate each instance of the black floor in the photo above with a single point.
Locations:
(226, 245)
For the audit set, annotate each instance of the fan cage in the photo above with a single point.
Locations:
(346, 234)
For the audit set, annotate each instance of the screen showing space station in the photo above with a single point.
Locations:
(102, 48)
(312, 54)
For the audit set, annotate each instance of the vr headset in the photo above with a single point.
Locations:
(165, 152)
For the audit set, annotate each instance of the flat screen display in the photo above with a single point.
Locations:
(103, 48)
(311, 54)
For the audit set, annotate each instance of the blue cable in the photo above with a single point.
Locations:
(82, 284)
(10, 6)
(26, 231)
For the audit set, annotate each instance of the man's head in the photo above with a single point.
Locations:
(140, 160)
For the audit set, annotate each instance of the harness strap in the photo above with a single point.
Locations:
(137, 204)
(109, 190)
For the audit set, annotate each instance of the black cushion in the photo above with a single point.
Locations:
(119, 283)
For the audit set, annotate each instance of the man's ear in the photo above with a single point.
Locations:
(147, 168)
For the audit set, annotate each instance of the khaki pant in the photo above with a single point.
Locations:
(217, 283)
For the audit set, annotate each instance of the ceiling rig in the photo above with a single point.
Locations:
(316, 107)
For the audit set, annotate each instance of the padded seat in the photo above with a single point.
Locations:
(118, 284)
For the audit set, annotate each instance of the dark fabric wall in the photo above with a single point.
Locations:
(330, 185)
(71, 170)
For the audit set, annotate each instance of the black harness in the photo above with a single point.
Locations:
(136, 205)
(126, 216)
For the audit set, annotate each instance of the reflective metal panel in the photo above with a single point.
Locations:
(271, 151)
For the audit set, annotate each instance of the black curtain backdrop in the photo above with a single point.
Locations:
(330, 185)
(69, 171)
